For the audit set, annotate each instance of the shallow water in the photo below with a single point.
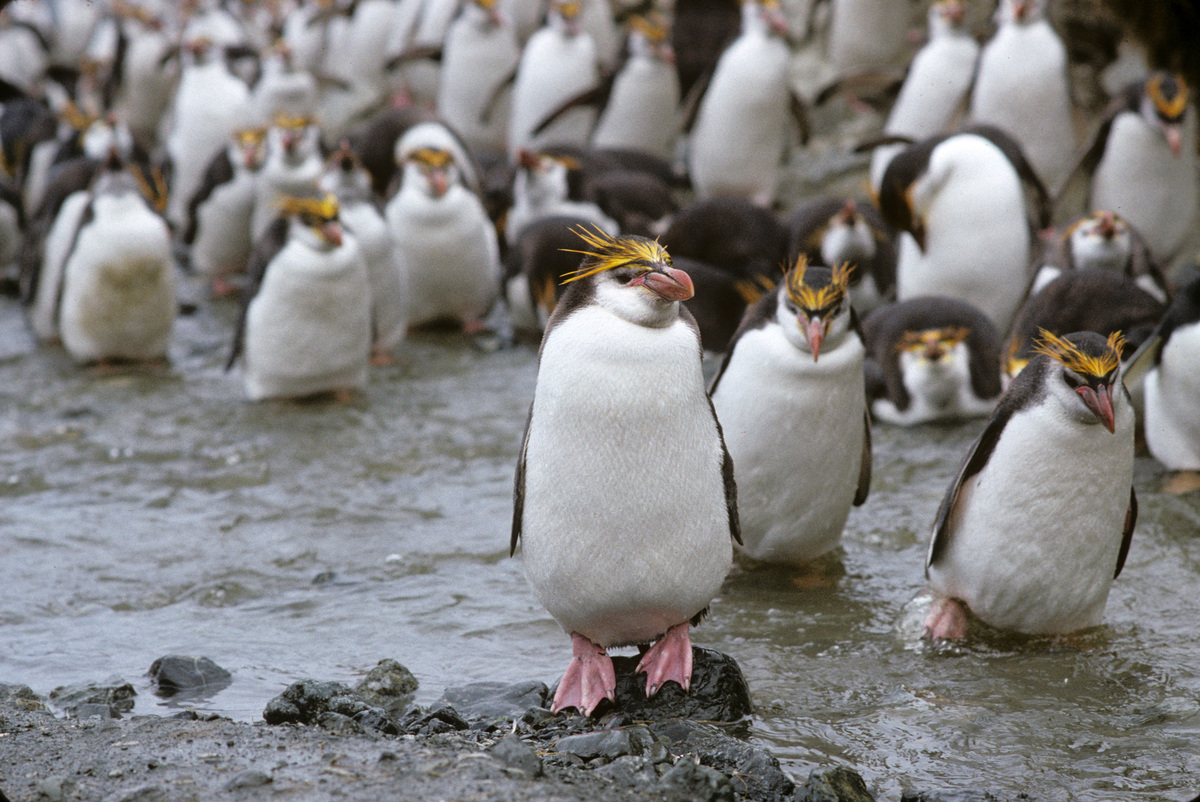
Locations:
(152, 512)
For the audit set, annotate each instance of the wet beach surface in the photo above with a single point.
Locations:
(154, 511)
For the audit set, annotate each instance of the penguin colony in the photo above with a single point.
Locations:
(355, 171)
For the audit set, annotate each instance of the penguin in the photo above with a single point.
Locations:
(108, 286)
(624, 498)
(558, 62)
(741, 131)
(481, 50)
(731, 233)
(1172, 390)
(866, 34)
(361, 216)
(960, 202)
(12, 223)
(1105, 241)
(1091, 299)
(1142, 162)
(1022, 86)
(931, 359)
(540, 190)
(218, 232)
(791, 402)
(536, 262)
(448, 243)
(293, 162)
(641, 111)
(1037, 522)
(830, 231)
(283, 88)
(210, 103)
(305, 323)
(936, 86)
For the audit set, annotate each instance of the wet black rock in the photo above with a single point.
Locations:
(630, 772)
(107, 699)
(388, 685)
(178, 675)
(304, 702)
(689, 781)
(834, 784)
(719, 691)
(515, 753)
(495, 701)
(756, 772)
(440, 719)
(607, 744)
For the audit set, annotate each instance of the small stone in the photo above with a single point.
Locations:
(834, 784)
(629, 772)
(515, 753)
(55, 789)
(757, 772)
(688, 781)
(115, 694)
(251, 778)
(305, 701)
(607, 744)
(187, 676)
(21, 697)
(338, 723)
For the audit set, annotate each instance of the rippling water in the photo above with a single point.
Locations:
(151, 512)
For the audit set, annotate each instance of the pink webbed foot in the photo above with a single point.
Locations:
(947, 620)
(588, 680)
(669, 659)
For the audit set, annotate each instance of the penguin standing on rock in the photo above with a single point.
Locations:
(1037, 523)
(305, 327)
(791, 402)
(624, 501)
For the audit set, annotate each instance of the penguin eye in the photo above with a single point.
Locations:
(1073, 381)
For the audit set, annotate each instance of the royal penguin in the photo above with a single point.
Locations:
(791, 402)
(305, 324)
(936, 86)
(1037, 522)
(931, 359)
(743, 124)
(535, 264)
(481, 50)
(107, 290)
(362, 217)
(618, 560)
(832, 231)
(557, 63)
(866, 34)
(210, 103)
(540, 189)
(731, 233)
(1105, 241)
(283, 88)
(1172, 391)
(448, 243)
(293, 162)
(217, 233)
(1142, 162)
(959, 201)
(1022, 86)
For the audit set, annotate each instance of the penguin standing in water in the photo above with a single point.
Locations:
(1037, 523)
(624, 501)
(791, 403)
(107, 287)
(305, 327)
(1172, 392)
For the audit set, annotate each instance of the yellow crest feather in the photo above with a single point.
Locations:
(612, 253)
(814, 298)
(1069, 356)
(324, 207)
(945, 337)
(431, 157)
(292, 121)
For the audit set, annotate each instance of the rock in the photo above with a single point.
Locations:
(250, 778)
(175, 674)
(719, 691)
(388, 685)
(630, 772)
(493, 701)
(305, 701)
(515, 753)
(338, 723)
(56, 789)
(114, 694)
(834, 784)
(689, 781)
(607, 744)
(438, 720)
(757, 772)
(20, 697)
